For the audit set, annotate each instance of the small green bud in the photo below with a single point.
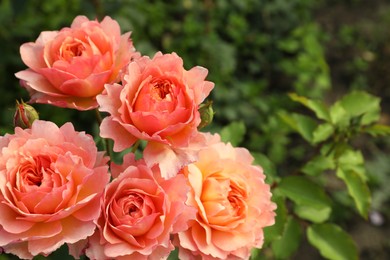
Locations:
(25, 115)
(206, 114)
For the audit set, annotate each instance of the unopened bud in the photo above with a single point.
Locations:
(25, 115)
(206, 114)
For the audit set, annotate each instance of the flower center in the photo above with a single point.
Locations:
(70, 49)
(161, 90)
(31, 172)
(237, 202)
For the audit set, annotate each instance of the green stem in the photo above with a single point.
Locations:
(135, 146)
(105, 141)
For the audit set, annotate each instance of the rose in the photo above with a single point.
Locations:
(51, 181)
(233, 202)
(140, 211)
(24, 115)
(68, 68)
(158, 101)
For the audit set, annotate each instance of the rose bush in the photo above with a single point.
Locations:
(68, 68)
(233, 202)
(140, 211)
(187, 189)
(51, 182)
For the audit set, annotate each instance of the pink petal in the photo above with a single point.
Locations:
(10, 222)
(111, 27)
(19, 249)
(110, 102)
(72, 231)
(167, 159)
(32, 55)
(195, 79)
(78, 21)
(112, 129)
(65, 102)
(56, 77)
(37, 82)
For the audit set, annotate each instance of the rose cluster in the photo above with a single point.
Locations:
(189, 189)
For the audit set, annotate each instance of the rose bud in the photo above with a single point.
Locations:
(206, 114)
(25, 115)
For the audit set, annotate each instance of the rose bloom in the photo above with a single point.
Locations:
(51, 182)
(157, 101)
(140, 211)
(68, 68)
(233, 202)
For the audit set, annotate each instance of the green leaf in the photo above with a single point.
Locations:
(288, 243)
(322, 132)
(318, 165)
(338, 115)
(267, 165)
(174, 255)
(332, 242)
(314, 214)
(350, 157)
(308, 196)
(233, 133)
(351, 160)
(377, 130)
(276, 230)
(316, 106)
(359, 103)
(302, 124)
(357, 189)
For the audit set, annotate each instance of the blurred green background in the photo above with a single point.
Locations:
(256, 52)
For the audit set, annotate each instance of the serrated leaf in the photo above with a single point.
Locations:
(357, 189)
(318, 165)
(316, 106)
(332, 242)
(289, 241)
(233, 133)
(322, 132)
(377, 130)
(308, 196)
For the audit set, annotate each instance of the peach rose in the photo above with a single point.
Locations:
(68, 68)
(233, 202)
(158, 101)
(51, 182)
(140, 211)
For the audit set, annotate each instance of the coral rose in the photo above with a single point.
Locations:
(158, 101)
(68, 68)
(51, 182)
(233, 202)
(140, 211)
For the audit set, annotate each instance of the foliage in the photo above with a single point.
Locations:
(310, 189)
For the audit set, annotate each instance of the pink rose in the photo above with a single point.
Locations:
(140, 211)
(51, 182)
(68, 68)
(233, 202)
(158, 101)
